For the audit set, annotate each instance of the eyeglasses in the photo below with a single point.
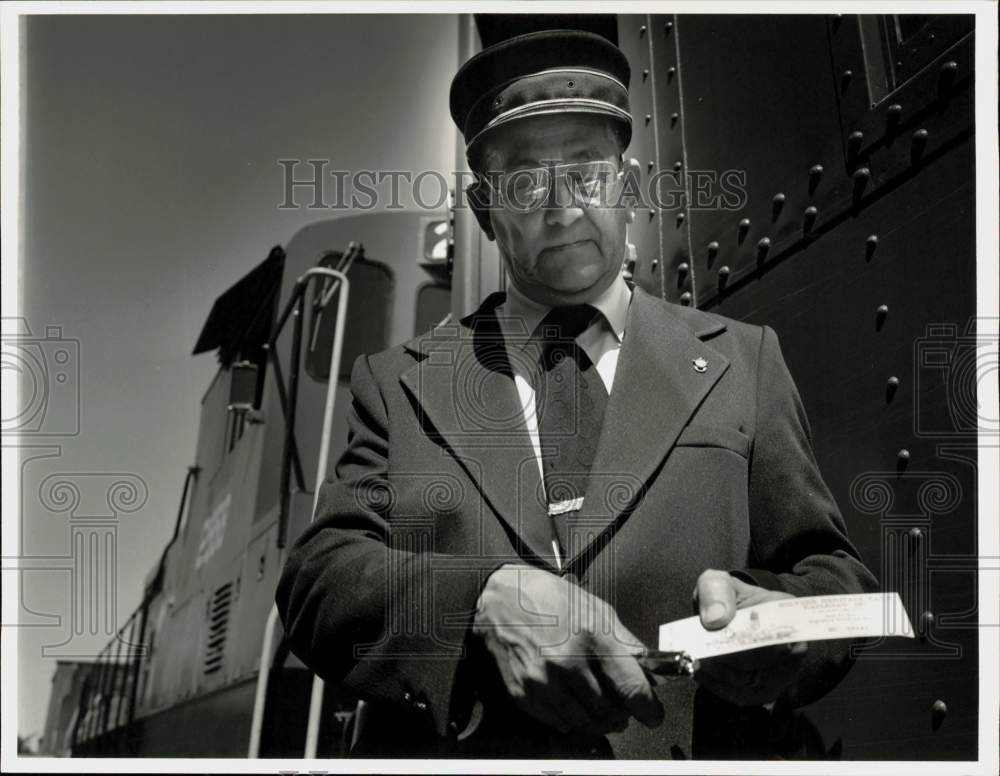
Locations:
(523, 191)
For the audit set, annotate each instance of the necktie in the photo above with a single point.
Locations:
(570, 400)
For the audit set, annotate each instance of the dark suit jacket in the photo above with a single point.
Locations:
(439, 486)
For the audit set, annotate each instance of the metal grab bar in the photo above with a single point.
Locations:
(294, 307)
(264, 667)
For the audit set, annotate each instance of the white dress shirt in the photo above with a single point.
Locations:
(601, 341)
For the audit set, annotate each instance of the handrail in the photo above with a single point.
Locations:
(295, 305)
(264, 667)
(279, 379)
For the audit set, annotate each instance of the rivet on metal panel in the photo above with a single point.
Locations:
(649, 117)
(845, 79)
(680, 219)
(673, 118)
(947, 76)
(652, 214)
(682, 269)
(926, 623)
(741, 229)
(854, 141)
(916, 535)
(777, 203)
(891, 386)
(678, 165)
(871, 243)
(892, 116)
(642, 30)
(815, 173)
(919, 143)
(880, 314)
(931, 38)
(723, 276)
(938, 712)
(686, 298)
(903, 455)
(809, 218)
(671, 72)
(861, 177)
(667, 27)
(713, 251)
(645, 74)
(899, 64)
(763, 246)
(654, 265)
(650, 165)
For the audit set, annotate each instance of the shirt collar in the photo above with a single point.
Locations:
(519, 315)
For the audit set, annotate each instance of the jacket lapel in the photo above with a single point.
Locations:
(657, 387)
(465, 393)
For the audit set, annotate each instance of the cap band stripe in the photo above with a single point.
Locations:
(559, 105)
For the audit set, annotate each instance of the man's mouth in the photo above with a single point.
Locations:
(564, 246)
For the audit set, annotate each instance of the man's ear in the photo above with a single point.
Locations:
(478, 197)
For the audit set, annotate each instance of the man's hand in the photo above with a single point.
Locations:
(564, 656)
(749, 678)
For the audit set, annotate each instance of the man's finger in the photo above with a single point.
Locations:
(716, 596)
(603, 712)
(615, 656)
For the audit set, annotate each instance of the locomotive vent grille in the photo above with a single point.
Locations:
(218, 625)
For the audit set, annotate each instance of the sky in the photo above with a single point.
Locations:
(151, 184)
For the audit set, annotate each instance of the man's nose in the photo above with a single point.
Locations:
(561, 209)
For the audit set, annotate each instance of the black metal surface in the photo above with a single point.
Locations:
(859, 296)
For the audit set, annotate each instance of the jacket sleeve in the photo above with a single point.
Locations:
(799, 541)
(361, 604)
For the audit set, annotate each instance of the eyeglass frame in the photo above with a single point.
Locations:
(498, 183)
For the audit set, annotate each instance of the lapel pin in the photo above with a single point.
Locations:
(700, 364)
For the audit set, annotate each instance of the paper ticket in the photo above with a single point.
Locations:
(812, 618)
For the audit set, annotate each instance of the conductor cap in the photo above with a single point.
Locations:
(541, 73)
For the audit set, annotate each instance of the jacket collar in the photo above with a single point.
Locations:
(462, 383)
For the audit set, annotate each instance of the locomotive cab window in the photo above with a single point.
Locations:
(367, 322)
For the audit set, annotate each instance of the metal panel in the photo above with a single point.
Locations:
(643, 232)
(909, 247)
(673, 192)
(759, 113)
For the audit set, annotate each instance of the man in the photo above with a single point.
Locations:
(528, 495)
